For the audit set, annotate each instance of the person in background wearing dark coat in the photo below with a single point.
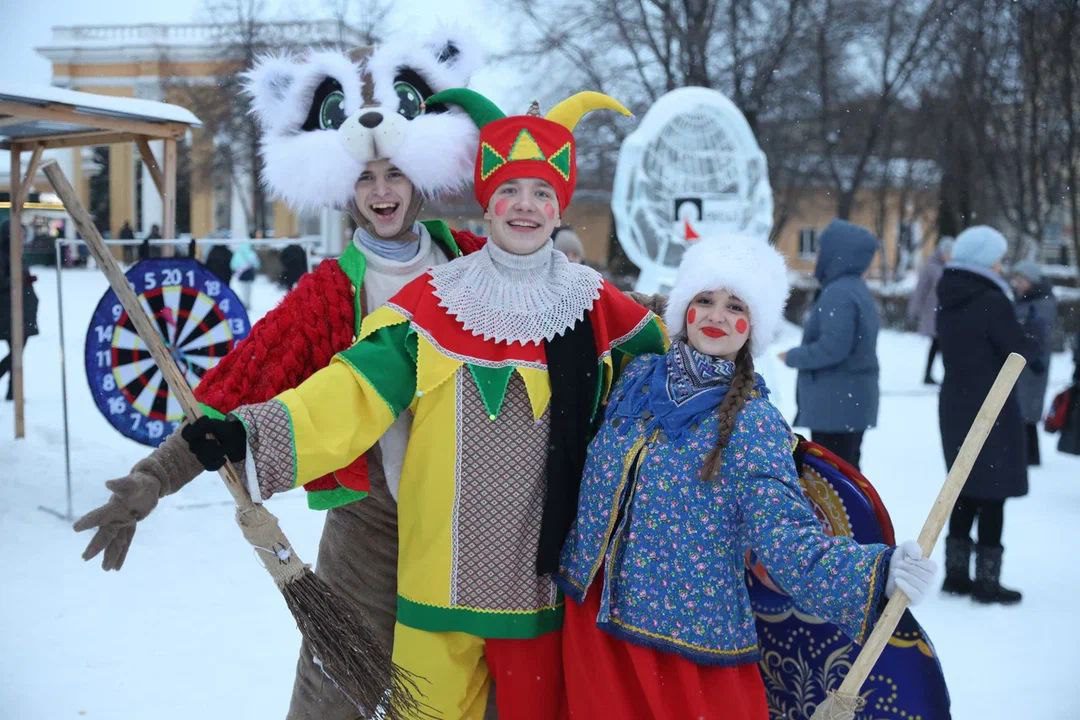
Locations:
(293, 265)
(1036, 309)
(922, 303)
(837, 388)
(30, 303)
(1069, 441)
(977, 329)
(219, 260)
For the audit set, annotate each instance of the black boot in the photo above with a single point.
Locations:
(988, 588)
(957, 566)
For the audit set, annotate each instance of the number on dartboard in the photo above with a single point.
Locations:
(198, 317)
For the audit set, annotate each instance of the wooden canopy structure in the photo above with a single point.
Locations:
(37, 118)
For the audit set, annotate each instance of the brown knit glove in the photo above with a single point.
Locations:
(161, 473)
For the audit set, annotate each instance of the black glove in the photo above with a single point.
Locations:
(211, 441)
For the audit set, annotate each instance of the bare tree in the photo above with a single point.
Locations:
(1012, 92)
(882, 49)
(227, 146)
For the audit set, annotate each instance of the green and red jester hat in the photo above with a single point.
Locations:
(526, 146)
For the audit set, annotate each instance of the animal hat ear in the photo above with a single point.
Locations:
(268, 83)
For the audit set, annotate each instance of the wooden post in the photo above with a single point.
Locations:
(151, 164)
(168, 194)
(15, 258)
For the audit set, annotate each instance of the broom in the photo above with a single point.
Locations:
(337, 631)
(843, 703)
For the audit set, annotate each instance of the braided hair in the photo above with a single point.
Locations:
(742, 385)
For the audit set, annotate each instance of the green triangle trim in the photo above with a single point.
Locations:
(492, 383)
(561, 161)
(490, 161)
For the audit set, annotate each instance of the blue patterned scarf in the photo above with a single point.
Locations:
(681, 389)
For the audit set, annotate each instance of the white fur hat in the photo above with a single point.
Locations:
(747, 267)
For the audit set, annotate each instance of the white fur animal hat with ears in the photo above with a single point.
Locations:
(325, 114)
(746, 267)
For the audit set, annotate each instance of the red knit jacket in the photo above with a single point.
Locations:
(301, 335)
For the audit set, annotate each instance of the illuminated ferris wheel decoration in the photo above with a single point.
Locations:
(199, 318)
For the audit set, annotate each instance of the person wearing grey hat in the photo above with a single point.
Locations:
(922, 303)
(977, 329)
(568, 243)
(1036, 309)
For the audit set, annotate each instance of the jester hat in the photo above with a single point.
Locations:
(521, 146)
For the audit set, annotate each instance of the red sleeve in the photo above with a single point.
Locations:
(468, 242)
(410, 297)
(616, 316)
(299, 336)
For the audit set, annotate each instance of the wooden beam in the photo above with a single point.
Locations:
(79, 139)
(151, 163)
(168, 195)
(56, 112)
(28, 179)
(5, 122)
(15, 256)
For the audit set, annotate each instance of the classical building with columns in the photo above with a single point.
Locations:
(151, 62)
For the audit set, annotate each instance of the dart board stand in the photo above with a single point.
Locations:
(199, 318)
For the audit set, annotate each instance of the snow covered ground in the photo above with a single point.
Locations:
(192, 627)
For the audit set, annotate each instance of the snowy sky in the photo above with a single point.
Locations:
(22, 28)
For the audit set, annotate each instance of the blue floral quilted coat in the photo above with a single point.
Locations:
(671, 546)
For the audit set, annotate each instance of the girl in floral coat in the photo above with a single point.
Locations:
(692, 468)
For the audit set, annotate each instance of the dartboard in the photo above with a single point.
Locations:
(199, 318)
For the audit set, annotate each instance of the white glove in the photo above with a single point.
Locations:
(910, 571)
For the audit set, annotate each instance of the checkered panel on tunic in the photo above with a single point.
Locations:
(501, 484)
(271, 442)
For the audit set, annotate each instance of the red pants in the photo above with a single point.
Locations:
(528, 677)
(611, 678)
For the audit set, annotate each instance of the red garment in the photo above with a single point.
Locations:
(528, 677)
(607, 677)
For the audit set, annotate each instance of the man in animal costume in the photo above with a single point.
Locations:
(503, 358)
(350, 133)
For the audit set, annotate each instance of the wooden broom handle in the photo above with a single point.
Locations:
(935, 521)
(139, 318)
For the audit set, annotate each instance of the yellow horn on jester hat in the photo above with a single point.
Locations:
(569, 112)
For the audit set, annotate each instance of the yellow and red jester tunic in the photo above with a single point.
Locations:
(473, 481)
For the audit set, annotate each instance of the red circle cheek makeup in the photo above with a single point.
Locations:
(741, 326)
(691, 316)
(500, 206)
(549, 210)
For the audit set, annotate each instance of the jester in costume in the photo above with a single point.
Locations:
(350, 132)
(503, 358)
